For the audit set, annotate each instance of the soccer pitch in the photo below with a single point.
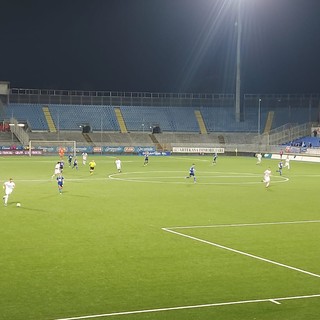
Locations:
(148, 243)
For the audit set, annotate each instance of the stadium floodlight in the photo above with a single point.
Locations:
(18, 124)
(13, 130)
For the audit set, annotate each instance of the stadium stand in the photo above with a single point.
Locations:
(71, 117)
(65, 117)
(137, 118)
(306, 142)
(175, 115)
(30, 113)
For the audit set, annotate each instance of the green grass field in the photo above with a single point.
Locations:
(149, 244)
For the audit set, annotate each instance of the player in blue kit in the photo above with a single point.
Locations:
(61, 162)
(280, 166)
(70, 159)
(75, 163)
(60, 181)
(192, 173)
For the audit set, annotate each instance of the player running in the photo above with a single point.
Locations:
(8, 187)
(84, 158)
(92, 165)
(70, 159)
(75, 163)
(60, 180)
(118, 164)
(56, 170)
(280, 166)
(287, 162)
(214, 159)
(259, 158)
(192, 173)
(146, 158)
(266, 177)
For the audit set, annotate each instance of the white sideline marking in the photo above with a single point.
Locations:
(54, 180)
(273, 300)
(127, 176)
(242, 253)
(247, 224)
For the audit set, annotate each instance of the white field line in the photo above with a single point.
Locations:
(127, 176)
(246, 224)
(66, 179)
(273, 300)
(242, 253)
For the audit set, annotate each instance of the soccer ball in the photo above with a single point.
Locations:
(18, 204)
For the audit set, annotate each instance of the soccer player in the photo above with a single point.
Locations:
(281, 153)
(266, 177)
(192, 173)
(259, 157)
(280, 166)
(61, 152)
(146, 158)
(61, 162)
(118, 164)
(215, 156)
(287, 163)
(75, 163)
(60, 181)
(92, 165)
(56, 170)
(8, 187)
(70, 159)
(84, 158)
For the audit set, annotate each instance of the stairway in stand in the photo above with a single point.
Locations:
(122, 124)
(221, 139)
(87, 138)
(50, 122)
(202, 125)
(268, 126)
(158, 145)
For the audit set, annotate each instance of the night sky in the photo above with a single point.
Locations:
(161, 45)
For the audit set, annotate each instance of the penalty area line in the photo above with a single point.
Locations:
(272, 300)
(242, 253)
(244, 224)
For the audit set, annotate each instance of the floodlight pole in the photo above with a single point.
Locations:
(11, 125)
(101, 128)
(58, 123)
(259, 117)
(238, 76)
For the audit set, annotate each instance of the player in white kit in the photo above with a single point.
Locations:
(8, 187)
